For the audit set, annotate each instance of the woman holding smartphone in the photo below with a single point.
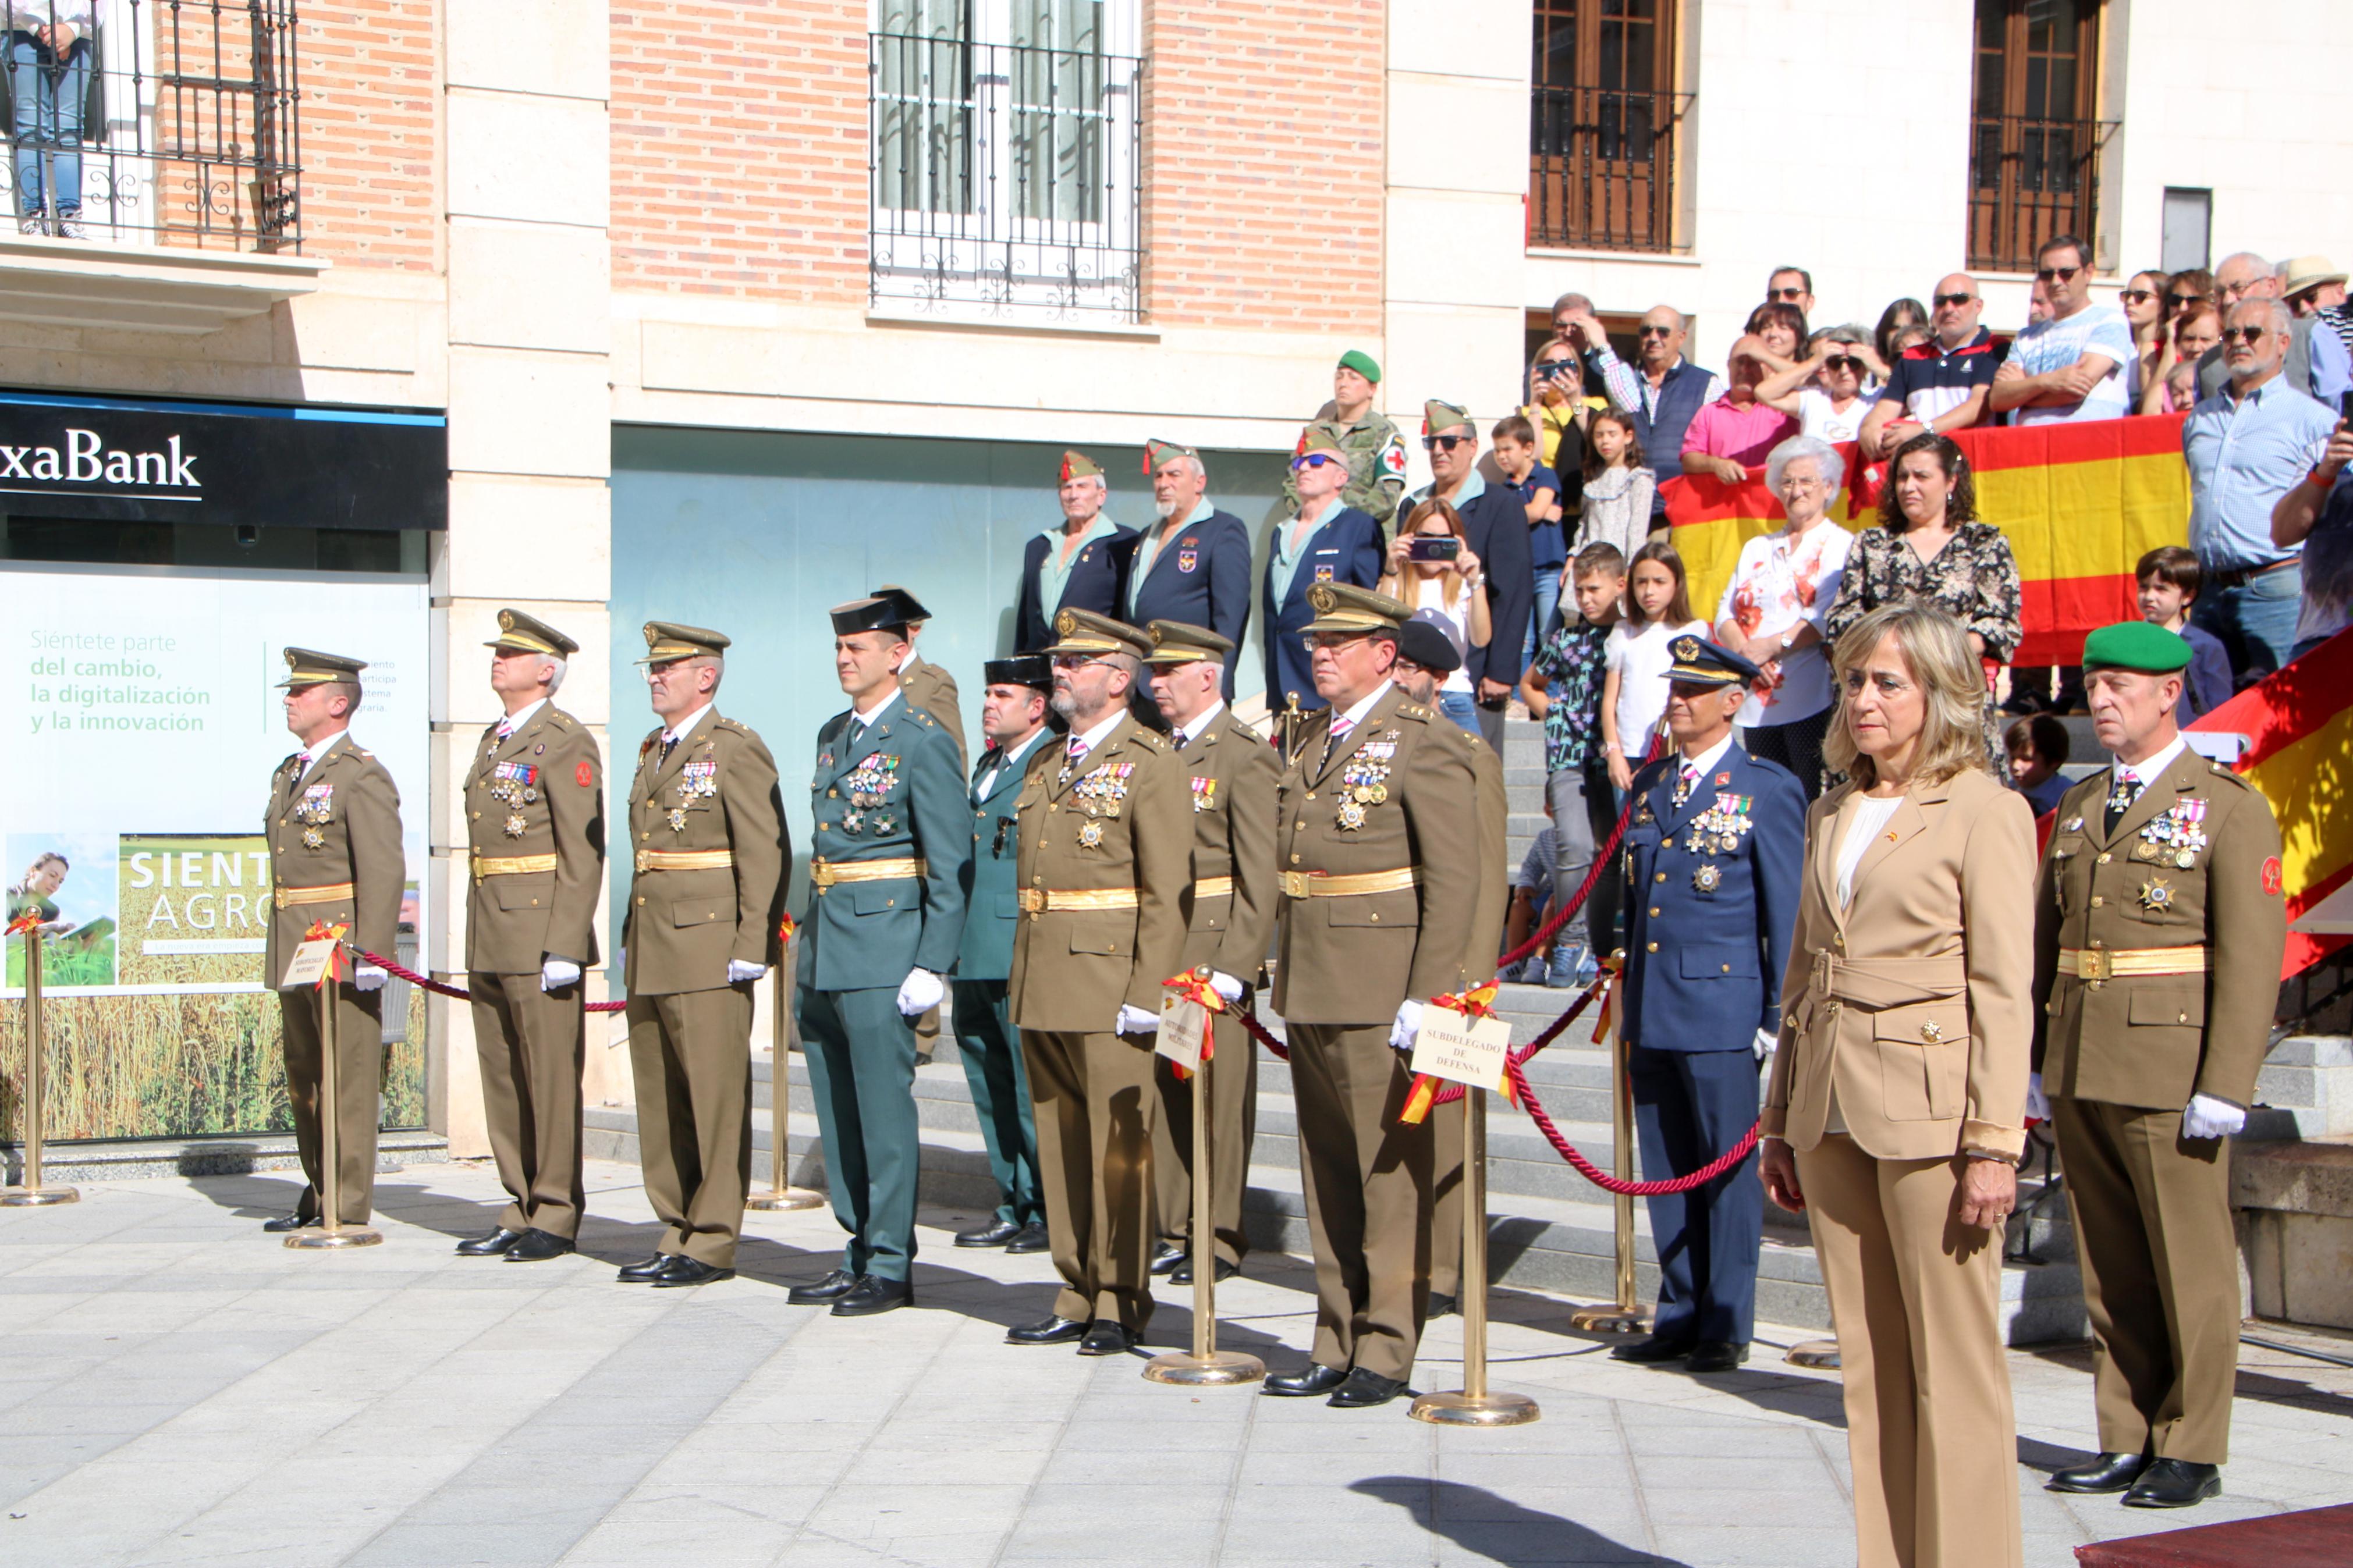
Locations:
(1431, 567)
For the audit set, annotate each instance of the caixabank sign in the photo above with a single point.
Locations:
(257, 464)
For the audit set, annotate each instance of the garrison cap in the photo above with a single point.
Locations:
(667, 640)
(308, 666)
(1079, 466)
(1319, 438)
(1155, 453)
(527, 634)
(873, 614)
(1083, 631)
(1363, 364)
(1022, 669)
(1430, 644)
(1178, 642)
(1699, 662)
(1345, 607)
(2136, 645)
(1437, 417)
(911, 609)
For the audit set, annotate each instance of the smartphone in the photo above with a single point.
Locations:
(2345, 406)
(1433, 548)
(1559, 370)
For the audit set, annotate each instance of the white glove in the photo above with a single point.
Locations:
(556, 973)
(2207, 1117)
(1765, 1040)
(742, 969)
(368, 977)
(1226, 985)
(1407, 1025)
(920, 993)
(2037, 1104)
(1135, 1020)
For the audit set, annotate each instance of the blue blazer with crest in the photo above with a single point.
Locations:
(1345, 549)
(1098, 582)
(1201, 577)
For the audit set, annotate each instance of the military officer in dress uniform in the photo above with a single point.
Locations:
(1193, 566)
(1104, 877)
(885, 912)
(1376, 843)
(535, 826)
(1013, 716)
(1714, 853)
(706, 825)
(333, 825)
(933, 689)
(2159, 930)
(1232, 772)
(1080, 563)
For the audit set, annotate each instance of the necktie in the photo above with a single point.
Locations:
(668, 743)
(301, 764)
(506, 728)
(2126, 790)
(1339, 732)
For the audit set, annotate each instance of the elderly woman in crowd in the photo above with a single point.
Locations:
(1930, 548)
(1774, 608)
(1895, 1113)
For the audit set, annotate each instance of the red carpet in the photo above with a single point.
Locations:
(2315, 1538)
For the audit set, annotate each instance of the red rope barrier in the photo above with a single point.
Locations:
(457, 992)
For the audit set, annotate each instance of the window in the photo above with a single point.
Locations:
(1601, 125)
(2034, 138)
(1004, 152)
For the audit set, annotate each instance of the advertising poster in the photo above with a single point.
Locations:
(144, 716)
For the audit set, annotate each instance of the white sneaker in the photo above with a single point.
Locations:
(70, 227)
(31, 224)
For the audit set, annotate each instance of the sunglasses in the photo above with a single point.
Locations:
(1944, 301)
(2249, 336)
(2183, 301)
(1647, 331)
(2057, 274)
(1790, 295)
(1845, 361)
(2135, 296)
(1313, 460)
(1433, 443)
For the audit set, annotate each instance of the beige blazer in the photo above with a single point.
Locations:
(1915, 1001)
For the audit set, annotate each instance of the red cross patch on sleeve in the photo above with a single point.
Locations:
(584, 775)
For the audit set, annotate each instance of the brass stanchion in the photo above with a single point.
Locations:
(1205, 1366)
(1628, 1316)
(331, 1232)
(32, 1194)
(780, 1193)
(1473, 1404)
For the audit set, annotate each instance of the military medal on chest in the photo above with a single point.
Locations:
(869, 784)
(1719, 829)
(1364, 782)
(2175, 838)
(698, 780)
(514, 784)
(1099, 792)
(2156, 896)
(314, 811)
(1205, 794)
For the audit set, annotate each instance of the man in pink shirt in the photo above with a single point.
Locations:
(1728, 435)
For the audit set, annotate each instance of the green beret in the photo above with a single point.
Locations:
(1363, 364)
(2136, 645)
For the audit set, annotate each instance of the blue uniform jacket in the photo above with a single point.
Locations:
(1098, 582)
(1708, 926)
(992, 904)
(897, 794)
(1345, 549)
(1201, 577)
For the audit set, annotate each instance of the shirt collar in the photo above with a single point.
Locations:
(1355, 715)
(1332, 506)
(872, 714)
(1095, 737)
(2260, 395)
(319, 753)
(1473, 488)
(1007, 759)
(1704, 763)
(1191, 732)
(515, 721)
(685, 727)
(1102, 524)
(2149, 770)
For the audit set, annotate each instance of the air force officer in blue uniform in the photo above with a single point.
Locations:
(1713, 854)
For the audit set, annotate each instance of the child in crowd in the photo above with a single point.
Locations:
(1531, 898)
(1618, 486)
(1563, 689)
(2037, 750)
(1538, 488)
(1634, 693)
(2169, 579)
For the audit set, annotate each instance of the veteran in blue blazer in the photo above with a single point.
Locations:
(1081, 562)
(1714, 854)
(881, 930)
(1193, 566)
(1325, 542)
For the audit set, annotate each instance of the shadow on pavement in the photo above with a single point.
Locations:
(1499, 1529)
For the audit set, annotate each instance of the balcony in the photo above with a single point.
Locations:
(1004, 182)
(154, 164)
(1601, 168)
(2030, 180)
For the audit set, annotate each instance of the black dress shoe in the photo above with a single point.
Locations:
(684, 1270)
(644, 1268)
(1166, 1256)
(1317, 1379)
(1651, 1350)
(1441, 1307)
(286, 1222)
(995, 1233)
(538, 1245)
(1716, 1355)
(1363, 1390)
(1054, 1330)
(832, 1288)
(875, 1294)
(1105, 1337)
(2174, 1483)
(1033, 1239)
(1183, 1273)
(491, 1246)
(2108, 1473)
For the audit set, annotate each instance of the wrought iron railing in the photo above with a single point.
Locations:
(1004, 179)
(1601, 168)
(2030, 180)
(167, 122)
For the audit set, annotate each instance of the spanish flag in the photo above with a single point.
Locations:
(2079, 503)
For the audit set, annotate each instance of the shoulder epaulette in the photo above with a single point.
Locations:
(1152, 740)
(1413, 711)
(2221, 772)
(735, 724)
(920, 717)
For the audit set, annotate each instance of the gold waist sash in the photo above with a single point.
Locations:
(685, 859)
(2098, 964)
(1321, 885)
(511, 865)
(333, 893)
(1214, 887)
(824, 874)
(1057, 900)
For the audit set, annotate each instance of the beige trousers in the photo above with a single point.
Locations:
(1095, 1106)
(530, 1044)
(691, 1056)
(359, 1093)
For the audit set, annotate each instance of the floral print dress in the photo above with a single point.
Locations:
(1974, 579)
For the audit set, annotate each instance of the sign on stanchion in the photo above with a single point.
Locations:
(317, 963)
(781, 1195)
(1461, 1041)
(1628, 1315)
(1185, 1038)
(31, 1194)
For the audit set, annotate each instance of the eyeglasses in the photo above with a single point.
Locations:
(1844, 362)
(2249, 336)
(2057, 274)
(1311, 641)
(2183, 301)
(1945, 301)
(1789, 293)
(1433, 443)
(2135, 296)
(1313, 460)
(1076, 660)
(1647, 331)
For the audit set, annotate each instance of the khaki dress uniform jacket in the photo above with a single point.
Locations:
(535, 836)
(335, 831)
(1104, 903)
(2122, 1052)
(1232, 773)
(714, 800)
(1348, 961)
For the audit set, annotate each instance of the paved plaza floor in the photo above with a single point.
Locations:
(176, 1387)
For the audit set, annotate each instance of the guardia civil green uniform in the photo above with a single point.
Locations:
(1375, 452)
(933, 689)
(886, 897)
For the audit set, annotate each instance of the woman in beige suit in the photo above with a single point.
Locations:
(1895, 1115)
